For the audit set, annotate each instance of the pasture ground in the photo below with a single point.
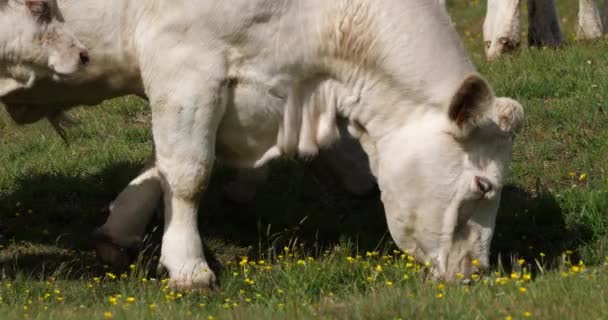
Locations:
(313, 251)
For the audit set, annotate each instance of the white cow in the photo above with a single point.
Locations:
(501, 28)
(252, 80)
(35, 44)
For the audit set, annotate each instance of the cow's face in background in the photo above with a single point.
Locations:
(441, 177)
(502, 27)
(34, 43)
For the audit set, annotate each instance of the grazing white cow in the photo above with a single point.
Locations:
(252, 80)
(501, 27)
(34, 44)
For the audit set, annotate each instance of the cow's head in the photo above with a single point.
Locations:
(502, 27)
(34, 42)
(441, 177)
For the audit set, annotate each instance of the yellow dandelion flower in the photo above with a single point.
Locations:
(542, 254)
(97, 279)
(25, 307)
(202, 305)
(280, 291)
(459, 276)
(56, 291)
(247, 300)
(527, 314)
(108, 315)
(59, 299)
(406, 277)
(475, 262)
(281, 305)
(378, 268)
(301, 262)
(439, 295)
(514, 275)
(112, 300)
(249, 281)
(564, 274)
(521, 262)
(370, 279)
(132, 266)
(389, 283)
(286, 249)
(350, 259)
(440, 286)
(583, 177)
(110, 275)
(261, 262)
(244, 261)
(130, 299)
(410, 258)
(575, 269)
(152, 306)
(508, 318)
(474, 276)
(310, 259)
(210, 318)
(427, 264)
(527, 276)
(523, 289)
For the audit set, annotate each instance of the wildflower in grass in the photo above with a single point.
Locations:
(249, 281)
(523, 289)
(459, 276)
(542, 254)
(521, 262)
(280, 291)
(370, 279)
(97, 279)
(514, 276)
(244, 261)
(110, 275)
(56, 291)
(527, 314)
(59, 299)
(130, 299)
(281, 305)
(406, 277)
(378, 268)
(210, 318)
(527, 277)
(583, 177)
(350, 259)
(439, 295)
(248, 300)
(440, 286)
(508, 318)
(389, 283)
(301, 262)
(108, 315)
(152, 306)
(112, 300)
(475, 262)
(261, 262)
(123, 275)
(286, 249)
(564, 274)
(474, 277)
(132, 266)
(235, 274)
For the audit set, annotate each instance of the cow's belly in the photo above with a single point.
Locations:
(250, 125)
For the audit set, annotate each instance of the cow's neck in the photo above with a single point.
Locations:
(106, 29)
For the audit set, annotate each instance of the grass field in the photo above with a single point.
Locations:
(304, 248)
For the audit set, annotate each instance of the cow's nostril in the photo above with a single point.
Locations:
(84, 58)
(483, 184)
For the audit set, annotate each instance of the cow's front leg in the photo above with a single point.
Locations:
(129, 215)
(185, 118)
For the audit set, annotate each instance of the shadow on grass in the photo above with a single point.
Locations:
(294, 208)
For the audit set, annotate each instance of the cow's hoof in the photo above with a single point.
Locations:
(110, 253)
(199, 278)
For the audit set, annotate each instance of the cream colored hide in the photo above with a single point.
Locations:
(590, 25)
(501, 27)
(34, 43)
(253, 80)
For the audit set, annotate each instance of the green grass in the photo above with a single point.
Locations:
(553, 215)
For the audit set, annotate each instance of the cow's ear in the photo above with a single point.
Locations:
(8, 85)
(40, 9)
(470, 103)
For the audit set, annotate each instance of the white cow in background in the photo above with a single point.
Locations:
(502, 25)
(252, 80)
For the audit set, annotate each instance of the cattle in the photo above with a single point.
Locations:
(36, 45)
(250, 81)
(501, 28)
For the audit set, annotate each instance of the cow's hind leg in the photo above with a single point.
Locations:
(129, 215)
(185, 117)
